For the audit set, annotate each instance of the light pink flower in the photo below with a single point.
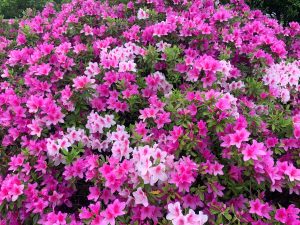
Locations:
(82, 82)
(140, 197)
(142, 14)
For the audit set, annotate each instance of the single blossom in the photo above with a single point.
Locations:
(140, 197)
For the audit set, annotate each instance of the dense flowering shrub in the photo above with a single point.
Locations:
(149, 112)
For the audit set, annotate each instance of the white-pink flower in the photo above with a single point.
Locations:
(35, 128)
(140, 197)
(196, 219)
(52, 147)
(129, 66)
(157, 173)
(142, 14)
(174, 211)
(92, 70)
(177, 218)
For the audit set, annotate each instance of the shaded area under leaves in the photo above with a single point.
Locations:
(284, 198)
(78, 199)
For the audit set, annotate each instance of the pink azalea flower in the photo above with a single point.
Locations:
(140, 197)
(92, 70)
(162, 119)
(256, 207)
(127, 66)
(281, 215)
(82, 82)
(142, 14)
(35, 128)
(223, 104)
(176, 216)
(238, 137)
(293, 173)
(43, 69)
(15, 191)
(174, 211)
(112, 212)
(297, 130)
(94, 193)
(39, 206)
(191, 201)
(157, 173)
(253, 151)
(193, 218)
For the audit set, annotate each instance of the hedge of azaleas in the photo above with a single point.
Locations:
(149, 112)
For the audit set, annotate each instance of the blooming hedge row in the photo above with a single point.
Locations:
(149, 112)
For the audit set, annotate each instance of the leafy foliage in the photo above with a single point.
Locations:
(169, 112)
(15, 8)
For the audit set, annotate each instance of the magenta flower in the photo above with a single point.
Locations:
(293, 173)
(112, 212)
(82, 82)
(253, 151)
(223, 104)
(256, 207)
(94, 193)
(281, 215)
(238, 137)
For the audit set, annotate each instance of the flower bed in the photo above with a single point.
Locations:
(149, 112)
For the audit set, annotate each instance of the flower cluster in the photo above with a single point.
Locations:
(283, 79)
(181, 112)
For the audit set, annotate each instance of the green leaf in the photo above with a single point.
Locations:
(227, 216)
(214, 212)
(219, 219)
(35, 219)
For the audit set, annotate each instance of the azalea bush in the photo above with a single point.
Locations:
(149, 112)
